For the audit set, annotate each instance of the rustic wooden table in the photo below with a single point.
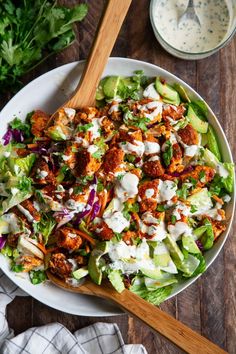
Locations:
(209, 305)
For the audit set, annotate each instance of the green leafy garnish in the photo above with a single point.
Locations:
(168, 154)
(30, 32)
(37, 276)
(17, 268)
(45, 226)
(84, 128)
(19, 125)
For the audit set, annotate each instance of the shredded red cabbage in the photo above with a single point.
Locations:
(12, 134)
(3, 239)
(178, 174)
(89, 205)
(199, 244)
(95, 211)
(65, 215)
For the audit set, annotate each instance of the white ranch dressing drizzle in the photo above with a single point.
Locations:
(188, 36)
(151, 92)
(137, 147)
(179, 229)
(151, 147)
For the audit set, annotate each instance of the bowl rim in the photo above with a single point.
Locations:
(188, 55)
(173, 77)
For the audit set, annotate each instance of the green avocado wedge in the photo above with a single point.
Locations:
(110, 86)
(169, 95)
(94, 266)
(212, 143)
(196, 122)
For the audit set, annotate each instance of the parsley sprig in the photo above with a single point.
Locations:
(30, 32)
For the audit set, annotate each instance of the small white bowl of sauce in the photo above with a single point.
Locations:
(187, 39)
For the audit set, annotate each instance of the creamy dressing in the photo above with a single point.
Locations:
(154, 158)
(96, 128)
(181, 209)
(188, 35)
(166, 190)
(70, 112)
(179, 229)
(151, 92)
(92, 149)
(127, 187)
(149, 193)
(151, 147)
(191, 150)
(137, 147)
(117, 222)
(113, 108)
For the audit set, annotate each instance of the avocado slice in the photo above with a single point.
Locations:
(110, 86)
(116, 280)
(189, 244)
(182, 92)
(152, 273)
(189, 265)
(212, 143)
(201, 200)
(94, 269)
(80, 273)
(174, 249)
(161, 260)
(163, 280)
(100, 92)
(198, 124)
(207, 238)
(169, 95)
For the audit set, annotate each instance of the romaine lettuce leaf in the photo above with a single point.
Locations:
(155, 296)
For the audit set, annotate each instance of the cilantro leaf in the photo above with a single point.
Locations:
(168, 153)
(37, 276)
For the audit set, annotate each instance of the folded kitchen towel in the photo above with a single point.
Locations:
(100, 338)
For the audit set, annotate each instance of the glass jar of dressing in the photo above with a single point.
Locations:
(187, 39)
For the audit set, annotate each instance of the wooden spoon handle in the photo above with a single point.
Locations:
(183, 336)
(108, 30)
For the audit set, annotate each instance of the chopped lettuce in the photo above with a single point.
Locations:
(156, 296)
(45, 226)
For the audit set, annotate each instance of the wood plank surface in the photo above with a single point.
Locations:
(209, 305)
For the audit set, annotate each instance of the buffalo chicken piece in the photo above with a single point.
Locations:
(60, 266)
(68, 238)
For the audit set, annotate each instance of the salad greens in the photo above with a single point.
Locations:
(132, 190)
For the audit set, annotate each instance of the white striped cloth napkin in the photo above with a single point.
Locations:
(100, 338)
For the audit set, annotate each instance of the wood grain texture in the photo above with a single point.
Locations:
(209, 305)
(159, 321)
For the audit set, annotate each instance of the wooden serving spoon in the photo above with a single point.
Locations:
(84, 95)
(184, 337)
(107, 32)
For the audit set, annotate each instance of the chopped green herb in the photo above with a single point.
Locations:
(37, 276)
(161, 207)
(173, 219)
(193, 181)
(84, 128)
(168, 153)
(19, 125)
(193, 209)
(183, 191)
(17, 268)
(30, 33)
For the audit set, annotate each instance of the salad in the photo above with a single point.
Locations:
(132, 190)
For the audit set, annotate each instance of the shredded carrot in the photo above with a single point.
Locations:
(103, 201)
(217, 199)
(87, 249)
(86, 237)
(32, 146)
(42, 248)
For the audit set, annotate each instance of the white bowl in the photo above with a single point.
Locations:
(48, 92)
